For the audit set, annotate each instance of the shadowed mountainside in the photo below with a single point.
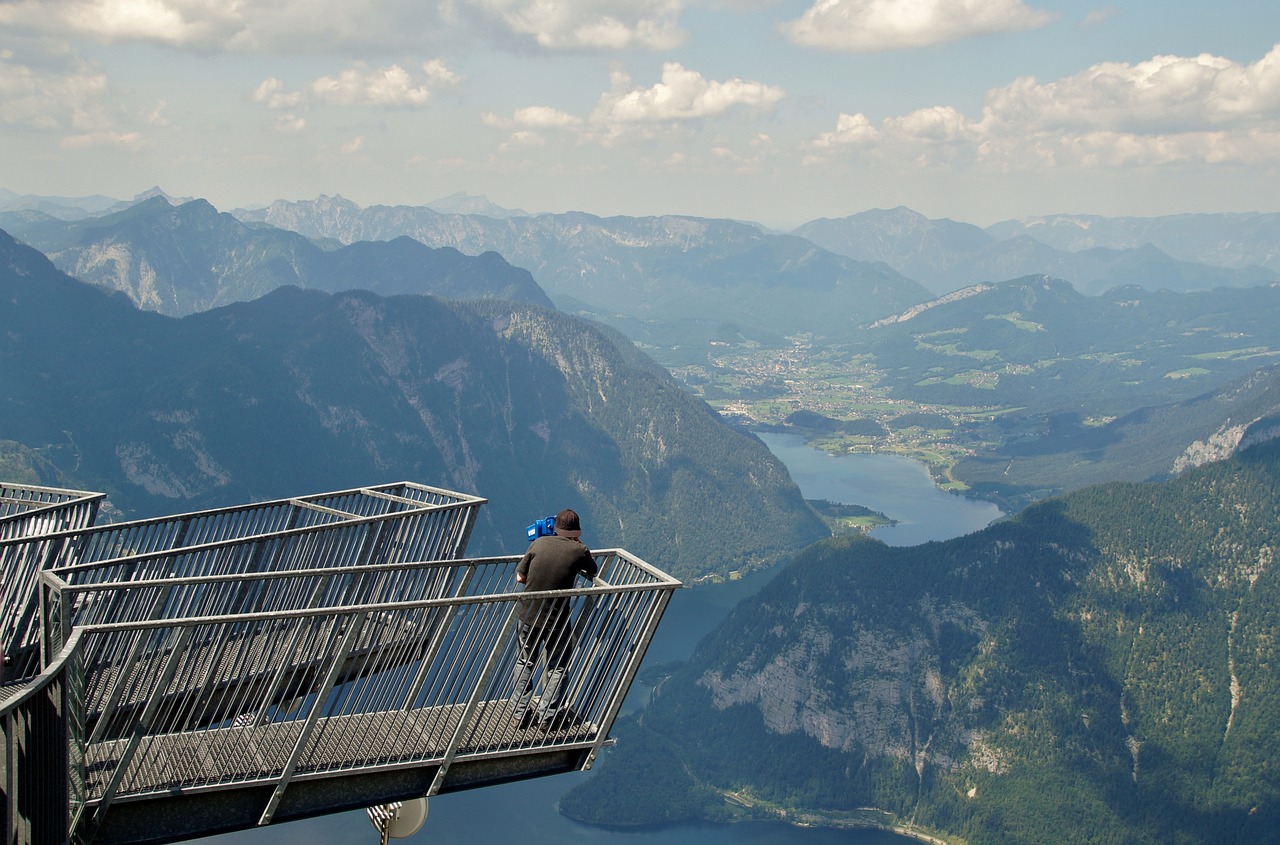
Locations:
(302, 391)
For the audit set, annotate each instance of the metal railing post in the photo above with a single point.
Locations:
(354, 625)
(623, 684)
(144, 722)
(473, 701)
(441, 630)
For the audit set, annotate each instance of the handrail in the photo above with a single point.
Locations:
(43, 774)
(28, 511)
(342, 709)
(402, 521)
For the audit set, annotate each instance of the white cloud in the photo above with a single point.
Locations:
(1096, 17)
(391, 86)
(271, 93)
(867, 25)
(290, 124)
(76, 100)
(544, 117)
(199, 24)
(245, 26)
(681, 95)
(87, 140)
(588, 24)
(1166, 110)
(359, 85)
(318, 26)
(522, 139)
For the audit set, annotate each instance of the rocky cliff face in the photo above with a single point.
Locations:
(887, 696)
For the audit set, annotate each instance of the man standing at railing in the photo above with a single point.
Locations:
(552, 562)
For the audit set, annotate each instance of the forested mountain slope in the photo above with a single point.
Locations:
(1099, 669)
(302, 392)
(1037, 342)
(1150, 443)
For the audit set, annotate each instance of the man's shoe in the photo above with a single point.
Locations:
(564, 720)
(527, 718)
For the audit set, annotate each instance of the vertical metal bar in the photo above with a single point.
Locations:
(441, 629)
(8, 723)
(354, 624)
(77, 776)
(469, 713)
(274, 688)
(122, 677)
(624, 681)
(144, 721)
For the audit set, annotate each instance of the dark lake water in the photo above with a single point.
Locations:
(525, 813)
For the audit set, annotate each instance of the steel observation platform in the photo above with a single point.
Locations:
(177, 677)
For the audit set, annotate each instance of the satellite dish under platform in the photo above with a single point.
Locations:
(399, 819)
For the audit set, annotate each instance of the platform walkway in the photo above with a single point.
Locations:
(198, 694)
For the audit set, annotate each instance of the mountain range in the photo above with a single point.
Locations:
(1099, 668)
(302, 391)
(1074, 381)
(178, 260)
(1037, 342)
(1178, 251)
(668, 283)
(1095, 254)
(1065, 451)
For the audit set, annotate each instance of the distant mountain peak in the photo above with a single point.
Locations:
(464, 203)
(152, 193)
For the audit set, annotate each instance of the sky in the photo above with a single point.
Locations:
(776, 111)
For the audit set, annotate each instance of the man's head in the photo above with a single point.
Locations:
(567, 524)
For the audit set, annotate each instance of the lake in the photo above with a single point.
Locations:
(898, 487)
(526, 812)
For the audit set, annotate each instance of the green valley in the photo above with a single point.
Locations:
(1010, 391)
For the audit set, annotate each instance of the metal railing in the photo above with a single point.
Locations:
(273, 678)
(395, 522)
(29, 511)
(43, 746)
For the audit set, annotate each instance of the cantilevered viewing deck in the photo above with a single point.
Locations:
(228, 686)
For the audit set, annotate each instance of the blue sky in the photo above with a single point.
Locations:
(768, 110)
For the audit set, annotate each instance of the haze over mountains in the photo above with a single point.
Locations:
(666, 282)
(1181, 252)
(178, 260)
(303, 391)
(1098, 668)
(1086, 375)
(1078, 379)
(1093, 253)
